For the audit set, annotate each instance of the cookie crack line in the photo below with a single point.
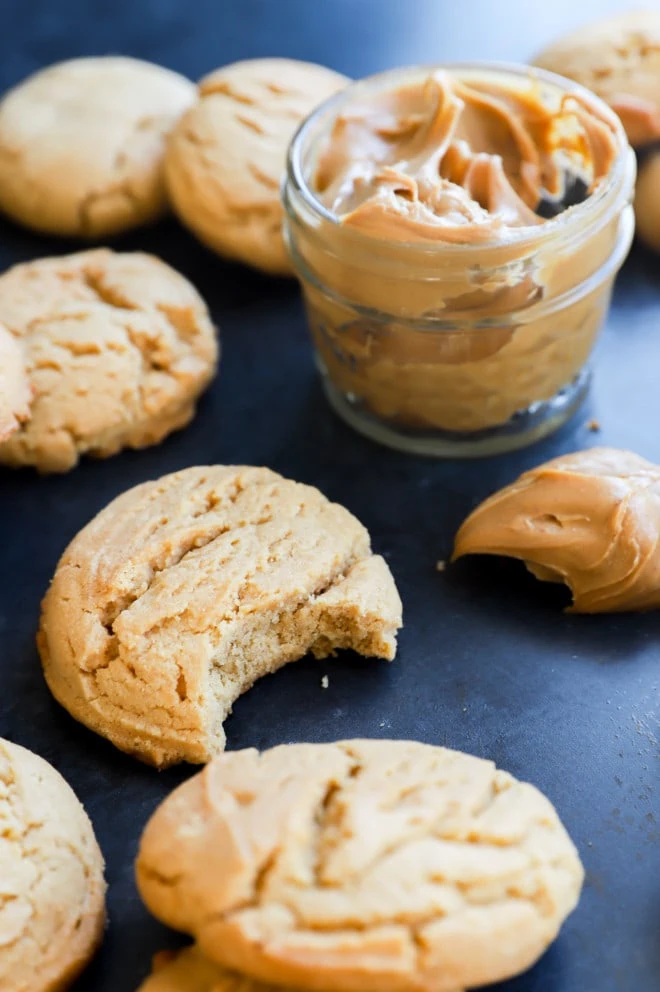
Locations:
(108, 619)
(94, 281)
(218, 624)
(325, 817)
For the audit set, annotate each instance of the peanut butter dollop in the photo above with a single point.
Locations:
(590, 519)
(448, 159)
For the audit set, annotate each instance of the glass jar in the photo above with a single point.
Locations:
(456, 349)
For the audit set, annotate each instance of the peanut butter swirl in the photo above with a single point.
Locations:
(461, 160)
(590, 519)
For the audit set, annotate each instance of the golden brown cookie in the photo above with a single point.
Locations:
(118, 348)
(381, 866)
(190, 971)
(183, 592)
(619, 59)
(226, 156)
(15, 393)
(590, 519)
(82, 145)
(52, 893)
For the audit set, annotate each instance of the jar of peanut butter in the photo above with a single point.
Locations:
(456, 232)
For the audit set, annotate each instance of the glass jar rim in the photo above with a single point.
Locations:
(563, 223)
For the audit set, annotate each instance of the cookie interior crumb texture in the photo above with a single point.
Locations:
(117, 349)
(385, 866)
(52, 892)
(226, 157)
(184, 591)
(82, 145)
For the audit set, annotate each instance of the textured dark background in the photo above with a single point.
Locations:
(488, 662)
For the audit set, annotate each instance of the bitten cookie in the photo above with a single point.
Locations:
(183, 592)
(118, 347)
(15, 393)
(227, 155)
(590, 519)
(82, 145)
(383, 866)
(190, 971)
(619, 59)
(52, 893)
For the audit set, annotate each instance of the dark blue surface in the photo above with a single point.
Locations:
(488, 663)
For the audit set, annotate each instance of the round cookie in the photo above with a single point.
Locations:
(384, 866)
(619, 59)
(184, 591)
(118, 347)
(227, 155)
(189, 971)
(82, 145)
(15, 393)
(52, 892)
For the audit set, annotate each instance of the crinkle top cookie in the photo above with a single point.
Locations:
(372, 865)
(117, 349)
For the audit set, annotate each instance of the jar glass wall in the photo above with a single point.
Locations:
(456, 349)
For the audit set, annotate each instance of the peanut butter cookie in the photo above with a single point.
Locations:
(190, 971)
(15, 394)
(619, 59)
(82, 145)
(227, 154)
(184, 591)
(590, 520)
(52, 893)
(118, 347)
(383, 866)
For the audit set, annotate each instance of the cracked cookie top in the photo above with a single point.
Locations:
(226, 157)
(82, 145)
(183, 591)
(15, 393)
(361, 865)
(52, 893)
(117, 349)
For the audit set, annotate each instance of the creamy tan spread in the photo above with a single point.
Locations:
(443, 159)
(590, 520)
(431, 183)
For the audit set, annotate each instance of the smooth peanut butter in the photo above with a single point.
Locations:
(590, 520)
(447, 160)
(441, 284)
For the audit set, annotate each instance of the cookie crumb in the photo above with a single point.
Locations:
(325, 682)
(440, 565)
(593, 425)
